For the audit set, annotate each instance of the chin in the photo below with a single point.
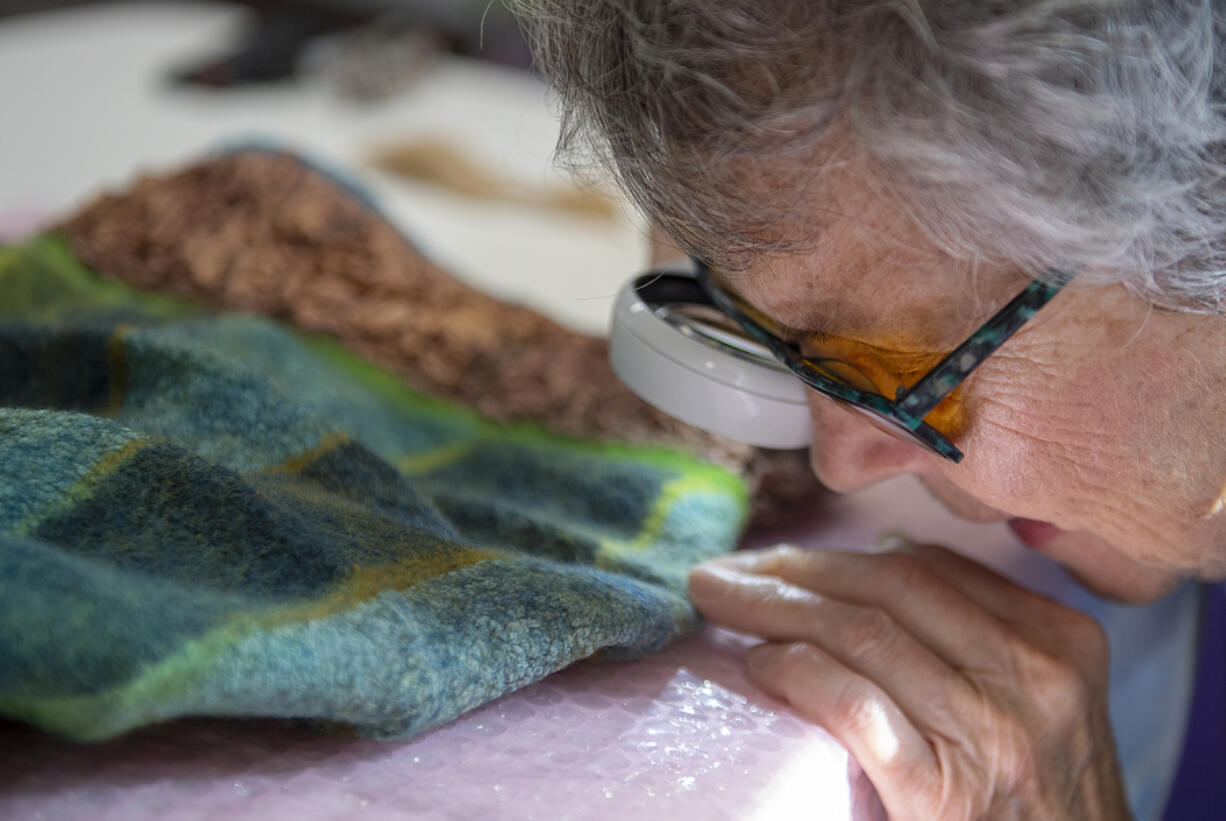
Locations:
(1133, 592)
(1107, 571)
(1100, 567)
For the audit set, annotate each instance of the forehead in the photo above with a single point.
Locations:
(855, 282)
(868, 270)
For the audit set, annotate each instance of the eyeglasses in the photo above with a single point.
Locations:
(858, 388)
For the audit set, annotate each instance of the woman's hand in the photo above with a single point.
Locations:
(960, 694)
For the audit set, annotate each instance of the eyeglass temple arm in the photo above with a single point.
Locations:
(916, 402)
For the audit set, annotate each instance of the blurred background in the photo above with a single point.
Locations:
(431, 105)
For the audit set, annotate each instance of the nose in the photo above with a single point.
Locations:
(850, 453)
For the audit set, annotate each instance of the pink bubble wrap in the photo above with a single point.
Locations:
(679, 735)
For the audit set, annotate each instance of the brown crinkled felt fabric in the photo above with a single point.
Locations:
(263, 232)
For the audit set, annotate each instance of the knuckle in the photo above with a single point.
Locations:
(905, 570)
(869, 632)
(1088, 639)
(1069, 696)
(909, 574)
(1057, 685)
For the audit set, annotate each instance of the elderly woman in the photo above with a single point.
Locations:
(873, 180)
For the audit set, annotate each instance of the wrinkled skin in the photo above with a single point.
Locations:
(962, 695)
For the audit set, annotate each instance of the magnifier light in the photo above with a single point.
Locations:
(670, 346)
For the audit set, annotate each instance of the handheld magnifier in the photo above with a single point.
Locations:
(671, 346)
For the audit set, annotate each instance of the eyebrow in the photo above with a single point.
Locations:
(788, 333)
(817, 327)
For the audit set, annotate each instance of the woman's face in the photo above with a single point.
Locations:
(1097, 431)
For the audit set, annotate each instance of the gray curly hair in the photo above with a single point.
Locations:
(1084, 133)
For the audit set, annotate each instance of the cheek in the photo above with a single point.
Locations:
(1038, 446)
(1007, 462)
(1089, 447)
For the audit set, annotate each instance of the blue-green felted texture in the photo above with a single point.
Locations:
(214, 515)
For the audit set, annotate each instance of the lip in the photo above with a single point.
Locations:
(1034, 533)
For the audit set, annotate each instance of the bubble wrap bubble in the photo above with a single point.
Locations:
(679, 735)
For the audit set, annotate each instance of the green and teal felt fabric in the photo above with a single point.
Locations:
(210, 514)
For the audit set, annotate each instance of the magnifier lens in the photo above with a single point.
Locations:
(671, 346)
(842, 371)
(712, 327)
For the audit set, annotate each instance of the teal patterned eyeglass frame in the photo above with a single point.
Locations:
(904, 413)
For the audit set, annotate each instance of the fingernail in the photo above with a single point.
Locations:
(750, 560)
(892, 540)
(738, 557)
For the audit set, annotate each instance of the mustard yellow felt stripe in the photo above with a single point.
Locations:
(83, 487)
(426, 461)
(301, 461)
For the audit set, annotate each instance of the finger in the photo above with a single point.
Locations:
(1035, 616)
(938, 613)
(893, 753)
(864, 639)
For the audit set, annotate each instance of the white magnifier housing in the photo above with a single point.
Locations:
(703, 374)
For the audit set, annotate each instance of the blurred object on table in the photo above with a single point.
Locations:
(372, 62)
(436, 160)
(365, 51)
(269, 48)
(9, 8)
